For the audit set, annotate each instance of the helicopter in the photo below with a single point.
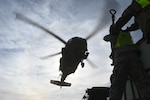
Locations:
(74, 52)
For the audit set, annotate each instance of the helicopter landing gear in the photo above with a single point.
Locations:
(82, 63)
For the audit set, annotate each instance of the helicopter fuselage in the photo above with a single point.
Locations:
(74, 52)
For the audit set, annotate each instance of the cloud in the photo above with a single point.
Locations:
(23, 76)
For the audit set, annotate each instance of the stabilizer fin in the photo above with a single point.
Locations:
(59, 83)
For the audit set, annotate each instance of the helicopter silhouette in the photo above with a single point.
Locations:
(74, 52)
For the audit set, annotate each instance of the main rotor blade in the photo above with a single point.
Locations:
(29, 21)
(45, 57)
(91, 63)
(95, 31)
(102, 23)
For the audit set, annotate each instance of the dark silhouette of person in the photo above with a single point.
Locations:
(127, 64)
(140, 10)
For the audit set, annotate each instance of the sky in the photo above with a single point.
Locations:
(24, 76)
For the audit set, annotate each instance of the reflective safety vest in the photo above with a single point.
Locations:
(124, 39)
(143, 3)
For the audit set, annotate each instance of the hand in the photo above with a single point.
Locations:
(114, 30)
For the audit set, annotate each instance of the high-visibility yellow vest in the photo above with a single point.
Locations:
(124, 39)
(143, 3)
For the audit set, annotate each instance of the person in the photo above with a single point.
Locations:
(126, 64)
(140, 10)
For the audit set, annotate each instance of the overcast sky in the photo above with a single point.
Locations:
(23, 75)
